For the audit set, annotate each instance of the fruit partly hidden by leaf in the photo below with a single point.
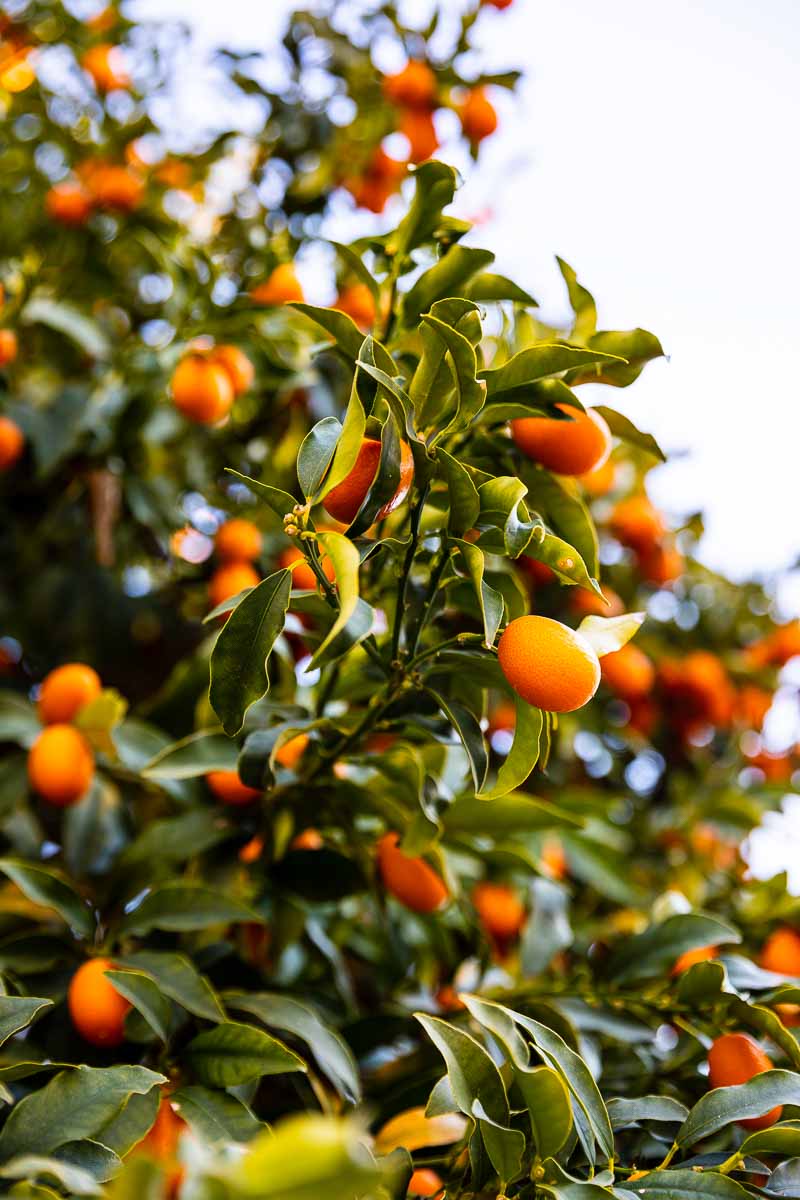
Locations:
(425, 1182)
(410, 880)
(12, 443)
(202, 389)
(343, 501)
(289, 754)
(61, 765)
(238, 540)
(690, 957)
(419, 128)
(736, 1058)
(303, 576)
(548, 664)
(161, 1143)
(571, 447)
(358, 302)
(97, 1010)
(65, 691)
(231, 579)
(228, 787)
(280, 287)
(588, 604)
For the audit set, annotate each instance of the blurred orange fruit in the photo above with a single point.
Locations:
(60, 765)
(97, 1010)
(231, 579)
(413, 87)
(479, 121)
(66, 690)
(628, 672)
(228, 787)
(410, 880)
(202, 389)
(238, 540)
(12, 443)
(280, 287)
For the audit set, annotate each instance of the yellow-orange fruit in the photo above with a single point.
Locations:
(303, 576)
(291, 752)
(66, 690)
(9, 346)
(600, 481)
(106, 65)
(503, 716)
(410, 880)
(553, 859)
(68, 203)
(115, 187)
(202, 389)
(229, 580)
(60, 765)
(96, 1008)
(567, 447)
(548, 664)
(309, 839)
(12, 443)
(736, 1058)
(637, 523)
(500, 910)
(781, 952)
(425, 1182)
(238, 540)
(280, 287)
(588, 604)
(344, 501)
(358, 302)
(628, 672)
(241, 371)
(173, 174)
(413, 87)
(479, 121)
(419, 128)
(228, 787)
(690, 957)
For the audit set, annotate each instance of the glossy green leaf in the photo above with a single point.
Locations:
(194, 755)
(636, 346)
(48, 887)
(216, 1118)
(487, 287)
(473, 1075)
(724, 1105)
(181, 906)
(676, 1184)
(316, 454)
(348, 444)
(540, 362)
(435, 185)
(346, 562)
(626, 431)
(232, 1053)
(658, 947)
(514, 813)
(279, 501)
(468, 729)
(178, 978)
(17, 1012)
(632, 1110)
(470, 391)
(524, 753)
(73, 1180)
(490, 602)
(465, 504)
(145, 996)
(446, 278)
(582, 302)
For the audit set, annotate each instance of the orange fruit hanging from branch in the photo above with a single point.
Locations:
(96, 1008)
(61, 765)
(566, 447)
(343, 501)
(548, 664)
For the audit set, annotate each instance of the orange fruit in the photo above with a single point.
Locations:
(292, 751)
(643, 715)
(410, 880)
(202, 389)
(228, 787)
(106, 65)
(303, 576)
(500, 910)
(12, 443)
(241, 371)
(238, 540)
(588, 604)
(553, 859)
(420, 130)
(66, 690)
(661, 564)
(548, 664)
(251, 851)
(380, 180)
(115, 187)
(160, 1143)
(60, 765)
(231, 579)
(539, 572)
(777, 768)
(173, 173)
(96, 1008)
(690, 957)
(628, 672)
(9, 346)
(479, 121)
(503, 716)
(698, 690)
(425, 1182)
(499, 4)
(309, 839)
(280, 287)
(413, 87)
(600, 481)
(782, 644)
(358, 302)
(565, 447)
(736, 1058)
(104, 20)
(752, 705)
(637, 524)
(69, 203)
(781, 952)
(344, 501)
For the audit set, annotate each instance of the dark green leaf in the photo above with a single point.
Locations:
(182, 906)
(232, 1053)
(49, 888)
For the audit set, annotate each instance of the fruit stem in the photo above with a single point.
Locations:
(668, 1157)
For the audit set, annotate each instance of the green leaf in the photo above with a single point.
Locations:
(183, 906)
(306, 1157)
(582, 302)
(435, 186)
(632, 1110)
(783, 1139)
(465, 504)
(17, 1012)
(348, 445)
(130, 1122)
(316, 453)
(280, 502)
(515, 813)
(488, 287)
(636, 346)
(468, 729)
(355, 264)
(239, 674)
(626, 431)
(547, 1099)
(67, 319)
(558, 501)
(175, 839)
(75, 1104)
(469, 389)
(194, 755)
(346, 562)
(18, 721)
(330, 1050)
(502, 505)
(178, 978)
(547, 929)
(232, 1054)
(687, 1185)
(562, 558)
(504, 1146)
(432, 393)
(540, 362)
(657, 948)
(607, 634)
(45, 886)
(524, 753)
(446, 278)
(490, 602)
(145, 996)
(724, 1105)
(73, 1180)
(216, 1118)
(341, 327)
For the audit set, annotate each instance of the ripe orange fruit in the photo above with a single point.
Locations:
(777, 768)
(503, 716)
(499, 4)
(303, 576)
(241, 371)
(698, 690)
(202, 389)
(229, 580)
(736, 1058)
(588, 604)
(106, 65)
(96, 1008)
(9, 346)
(600, 481)
(66, 690)
(228, 787)
(553, 859)
(425, 1182)
(661, 564)
(566, 447)
(114, 186)
(280, 287)
(379, 181)
(752, 705)
(781, 952)
(344, 501)
(690, 957)
(309, 839)
(357, 301)
(173, 173)
(500, 910)
(60, 765)
(12, 443)
(238, 540)
(413, 87)
(479, 121)
(251, 851)
(777, 648)
(637, 524)
(69, 203)
(292, 751)
(161, 1144)
(628, 672)
(419, 128)
(410, 880)
(548, 664)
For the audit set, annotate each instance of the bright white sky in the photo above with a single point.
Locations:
(653, 145)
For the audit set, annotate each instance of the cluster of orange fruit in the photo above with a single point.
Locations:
(283, 287)
(60, 761)
(96, 183)
(17, 70)
(206, 382)
(12, 439)
(238, 545)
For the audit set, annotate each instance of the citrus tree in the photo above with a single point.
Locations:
(376, 757)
